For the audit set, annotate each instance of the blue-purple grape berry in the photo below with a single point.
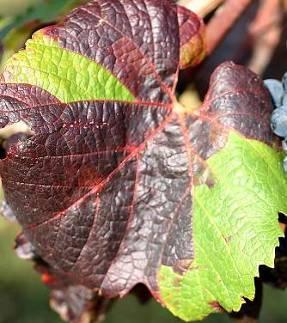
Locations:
(279, 121)
(276, 91)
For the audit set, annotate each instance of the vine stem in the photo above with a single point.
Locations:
(201, 7)
(223, 20)
(265, 32)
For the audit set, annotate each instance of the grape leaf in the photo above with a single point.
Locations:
(117, 184)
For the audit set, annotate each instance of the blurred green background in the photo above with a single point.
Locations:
(23, 298)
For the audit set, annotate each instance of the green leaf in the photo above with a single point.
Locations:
(67, 75)
(228, 244)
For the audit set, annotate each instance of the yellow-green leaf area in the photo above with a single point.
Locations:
(67, 75)
(235, 229)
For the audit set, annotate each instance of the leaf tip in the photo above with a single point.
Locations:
(192, 38)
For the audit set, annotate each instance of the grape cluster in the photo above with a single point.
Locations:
(278, 92)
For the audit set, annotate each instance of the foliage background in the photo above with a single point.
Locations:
(23, 298)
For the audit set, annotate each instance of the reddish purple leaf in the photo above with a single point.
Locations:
(103, 186)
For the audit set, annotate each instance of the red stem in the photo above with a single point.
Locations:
(223, 20)
(201, 7)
